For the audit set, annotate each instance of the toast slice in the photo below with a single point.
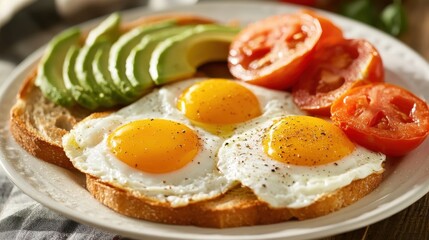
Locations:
(38, 124)
(237, 207)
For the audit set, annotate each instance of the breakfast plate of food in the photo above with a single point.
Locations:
(219, 121)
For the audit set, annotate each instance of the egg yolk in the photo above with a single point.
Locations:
(306, 141)
(219, 102)
(154, 145)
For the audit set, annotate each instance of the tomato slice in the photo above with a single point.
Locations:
(335, 69)
(382, 117)
(331, 33)
(274, 51)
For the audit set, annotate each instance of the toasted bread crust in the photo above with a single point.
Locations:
(38, 125)
(238, 207)
(35, 144)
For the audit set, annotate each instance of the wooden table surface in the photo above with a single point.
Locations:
(413, 222)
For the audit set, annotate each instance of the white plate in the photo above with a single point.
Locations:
(407, 179)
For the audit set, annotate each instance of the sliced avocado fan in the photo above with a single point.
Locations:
(108, 70)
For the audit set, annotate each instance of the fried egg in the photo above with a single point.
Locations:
(151, 150)
(292, 161)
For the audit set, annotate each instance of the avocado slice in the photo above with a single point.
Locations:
(49, 78)
(101, 93)
(102, 75)
(119, 53)
(179, 56)
(107, 30)
(80, 95)
(137, 63)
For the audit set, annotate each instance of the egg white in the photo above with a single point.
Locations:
(242, 158)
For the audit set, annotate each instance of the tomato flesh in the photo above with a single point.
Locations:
(335, 69)
(382, 117)
(274, 51)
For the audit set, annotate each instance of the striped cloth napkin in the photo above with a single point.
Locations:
(23, 218)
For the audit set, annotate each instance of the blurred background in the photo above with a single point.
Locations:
(26, 25)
